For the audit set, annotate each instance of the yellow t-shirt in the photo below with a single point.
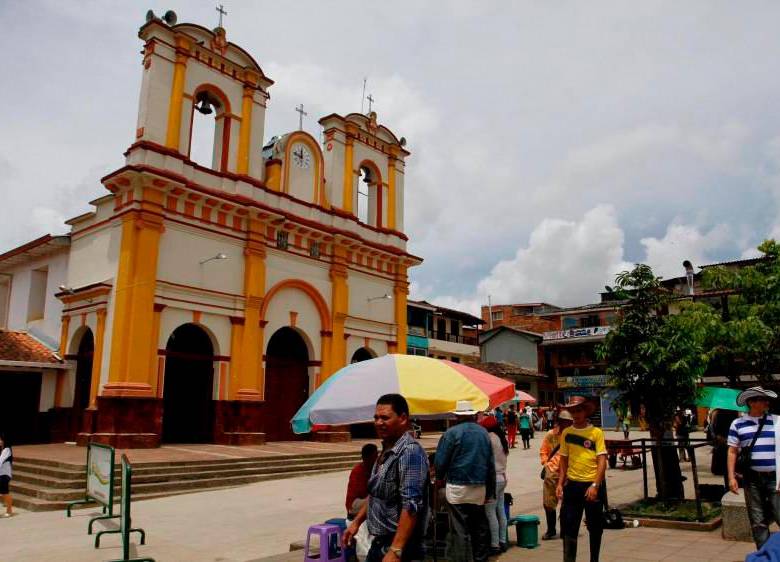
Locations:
(582, 446)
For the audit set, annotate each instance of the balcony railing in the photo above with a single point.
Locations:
(454, 338)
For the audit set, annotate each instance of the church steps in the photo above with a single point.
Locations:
(43, 498)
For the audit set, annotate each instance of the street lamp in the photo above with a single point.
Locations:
(219, 256)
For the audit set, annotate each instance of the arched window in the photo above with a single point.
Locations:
(369, 196)
(210, 130)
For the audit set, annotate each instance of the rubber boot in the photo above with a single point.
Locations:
(551, 517)
(569, 549)
(595, 547)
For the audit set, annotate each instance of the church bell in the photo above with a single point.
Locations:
(203, 104)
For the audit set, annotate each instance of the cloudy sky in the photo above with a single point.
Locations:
(553, 143)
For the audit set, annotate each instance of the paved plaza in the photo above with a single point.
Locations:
(260, 520)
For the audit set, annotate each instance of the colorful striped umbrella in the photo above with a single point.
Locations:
(431, 386)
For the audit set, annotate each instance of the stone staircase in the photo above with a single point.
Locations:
(44, 485)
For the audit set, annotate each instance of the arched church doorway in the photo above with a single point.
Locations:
(286, 382)
(84, 356)
(188, 386)
(362, 354)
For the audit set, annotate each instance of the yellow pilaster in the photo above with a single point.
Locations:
(158, 308)
(236, 334)
(250, 371)
(340, 306)
(400, 293)
(273, 174)
(59, 388)
(97, 357)
(132, 340)
(349, 169)
(245, 134)
(325, 369)
(391, 192)
(173, 133)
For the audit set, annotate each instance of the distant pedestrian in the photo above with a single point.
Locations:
(682, 434)
(465, 464)
(494, 509)
(524, 422)
(549, 415)
(397, 507)
(6, 473)
(626, 424)
(499, 413)
(755, 432)
(548, 453)
(357, 488)
(719, 431)
(511, 426)
(581, 477)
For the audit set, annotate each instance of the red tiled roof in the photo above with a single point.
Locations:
(19, 346)
(504, 369)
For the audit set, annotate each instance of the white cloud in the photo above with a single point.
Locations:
(683, 242)
(48, 220)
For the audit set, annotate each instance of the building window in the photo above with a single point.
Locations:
(36, 302)
(455, 359)
(314, 249)
(282, 239)
(417, 351)
(498, 315)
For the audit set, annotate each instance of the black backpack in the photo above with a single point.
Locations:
(613, 519)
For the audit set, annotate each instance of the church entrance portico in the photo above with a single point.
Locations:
(286, 382)
(188, 386)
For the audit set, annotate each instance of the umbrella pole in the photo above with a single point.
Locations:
(435, 522)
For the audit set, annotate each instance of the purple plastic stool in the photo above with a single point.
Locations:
(330, 550)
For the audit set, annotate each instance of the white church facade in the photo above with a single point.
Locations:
(204, 301)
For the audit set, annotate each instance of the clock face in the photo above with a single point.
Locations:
(301, 156)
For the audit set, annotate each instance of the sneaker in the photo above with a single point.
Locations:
(503, 546)
(495, 551)
(5, 515)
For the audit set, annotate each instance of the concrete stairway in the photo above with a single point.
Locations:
(42, 485)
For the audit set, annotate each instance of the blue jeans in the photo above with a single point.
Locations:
(496, 516)
(763, 504)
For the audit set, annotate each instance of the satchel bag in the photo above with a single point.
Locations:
(743, 460)
(552, 454)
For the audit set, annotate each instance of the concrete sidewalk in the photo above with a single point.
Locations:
(259, 520)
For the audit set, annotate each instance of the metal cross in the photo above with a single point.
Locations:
(222, 12)
(371, 100)
(300, 110)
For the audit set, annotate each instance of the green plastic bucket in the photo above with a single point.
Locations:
(527, 527)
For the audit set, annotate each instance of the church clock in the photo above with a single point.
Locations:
(301, 156)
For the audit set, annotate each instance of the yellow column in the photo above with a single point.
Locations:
(245, 134)
(173, 134)
(340, 306)
(158, 308)
(59, 388)
(250, 385)
(391, 192)
(132, 340)
(273, 174)
(349, 169)
(400, 293)
(97, 357)
(326, 343)
(236, 333)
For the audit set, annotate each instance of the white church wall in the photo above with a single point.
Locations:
(48, 388)
(182, 249)
(377, 346)
(93, 257)
(155, 94)
(334, 170)
(363, 287)
(281, 266)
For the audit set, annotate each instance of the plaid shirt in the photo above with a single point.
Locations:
(398, 481)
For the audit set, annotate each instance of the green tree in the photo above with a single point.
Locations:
(747, 339)
(657, 360)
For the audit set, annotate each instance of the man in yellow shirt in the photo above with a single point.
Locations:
(580, 485)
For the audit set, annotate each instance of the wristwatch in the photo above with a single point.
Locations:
(594, 485)
(397, 551)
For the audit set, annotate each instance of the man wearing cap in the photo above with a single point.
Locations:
(464, 460)
(760, 478)
(548, 453)
(583, 464)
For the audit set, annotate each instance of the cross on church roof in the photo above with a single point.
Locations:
(222, 12)
(300, 110)
(371, 100)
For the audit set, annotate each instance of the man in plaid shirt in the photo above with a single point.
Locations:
(397, 508)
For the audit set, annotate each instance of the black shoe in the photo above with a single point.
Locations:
(549, 536)
(495, 551)
(503, 547)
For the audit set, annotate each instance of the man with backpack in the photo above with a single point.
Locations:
(548, 453)
(752, 456)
